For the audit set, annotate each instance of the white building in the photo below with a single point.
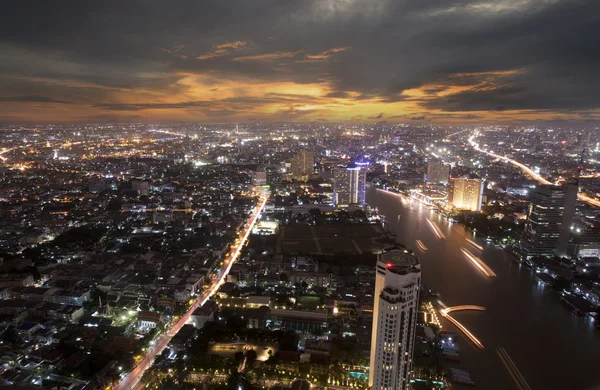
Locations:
(395, 309)
(349, 184)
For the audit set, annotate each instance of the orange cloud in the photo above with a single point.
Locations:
(326, 54)
(222, 50)
(269, 56)
(232, 45)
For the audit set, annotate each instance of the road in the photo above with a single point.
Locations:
(132, 380)
(529, 172)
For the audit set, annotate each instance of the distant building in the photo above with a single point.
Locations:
(395, 307)
(204, 314)
(258, 177)
(303, 165)
(437, 172)
(465, 194)
(349, 184)
(266, 228)
(97, 185)
(549, 219)
(142, 187)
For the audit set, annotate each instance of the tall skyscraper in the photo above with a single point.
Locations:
(395, 307)
(549, 219)
(303, 165)
(349, 184)
(437, 172)
(465, 194)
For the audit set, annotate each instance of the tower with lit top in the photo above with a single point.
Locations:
(395, 307)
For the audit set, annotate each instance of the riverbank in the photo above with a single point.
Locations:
(521, 319)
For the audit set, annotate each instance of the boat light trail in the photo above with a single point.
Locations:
(487, 271)
(464, 330)
(421, 245)
(476, 245)
(447, 310)
(512, 369)
(436, 229)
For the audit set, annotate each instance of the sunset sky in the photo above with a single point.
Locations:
(404, 61)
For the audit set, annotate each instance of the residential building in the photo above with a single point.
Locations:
(437, 172)
(395, 308)
(303, 165)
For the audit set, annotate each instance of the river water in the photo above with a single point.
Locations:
(551, 347)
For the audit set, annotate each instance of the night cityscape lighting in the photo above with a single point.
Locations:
(299, 195)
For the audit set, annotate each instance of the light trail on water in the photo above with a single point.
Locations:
(512, 369)
(448, 309)
(476, 245)
(436, 229)
(487, 271)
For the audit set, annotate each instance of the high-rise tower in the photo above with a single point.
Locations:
(395, 306)
(549, 219)
(349, 184)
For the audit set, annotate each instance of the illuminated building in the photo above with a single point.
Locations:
(465, 194)
(395, 307)
(549, 218)
(437, 172)
(303, 165)
(349, 184)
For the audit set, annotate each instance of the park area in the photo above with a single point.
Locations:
(332, 238)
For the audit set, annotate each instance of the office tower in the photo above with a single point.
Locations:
(549, 218)
(437, 172)
(465, 194)
(395, 307)
(349, 184)
(303, 165)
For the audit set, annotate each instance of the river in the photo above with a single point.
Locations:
(551, 347)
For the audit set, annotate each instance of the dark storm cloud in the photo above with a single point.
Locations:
(370, 49)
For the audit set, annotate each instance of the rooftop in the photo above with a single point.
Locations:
(399, 258)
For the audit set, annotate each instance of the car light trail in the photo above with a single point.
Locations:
(529, 172)
(487, 271)
(476, 245)
(132, 380)
(436, 229)
(421, 245)
(512, 369)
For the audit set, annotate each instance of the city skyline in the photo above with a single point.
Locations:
(326, 61)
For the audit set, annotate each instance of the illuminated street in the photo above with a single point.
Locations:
(132, 379)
